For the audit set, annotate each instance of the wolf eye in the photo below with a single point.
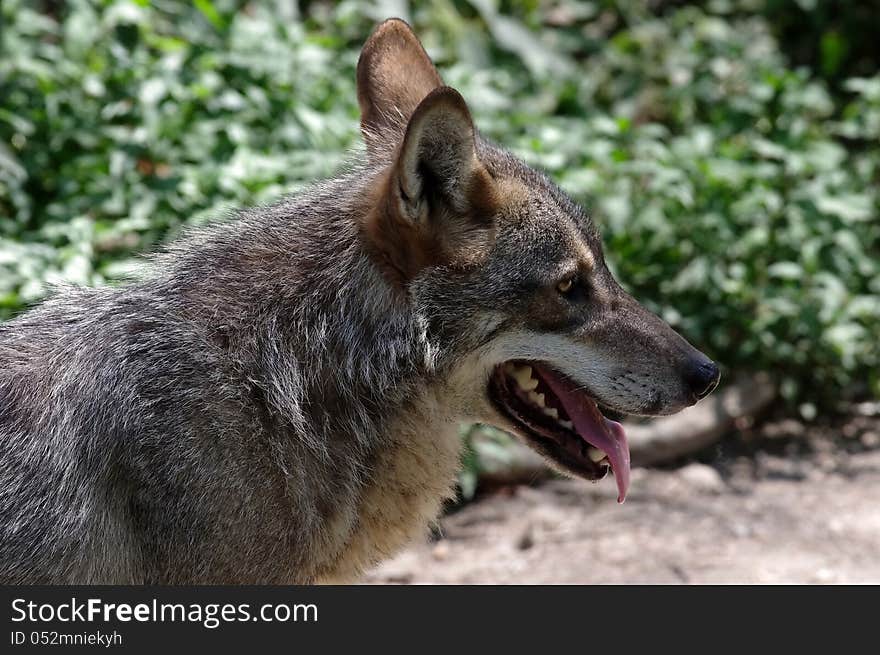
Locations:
(565, 286)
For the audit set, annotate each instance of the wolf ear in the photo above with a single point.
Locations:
(438, 203)
(394, 74)
(437, 162)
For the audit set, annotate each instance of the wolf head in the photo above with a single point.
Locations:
(509, 274)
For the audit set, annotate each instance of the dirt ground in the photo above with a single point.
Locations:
(782, 504)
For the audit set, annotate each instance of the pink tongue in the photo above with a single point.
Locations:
(608, 436)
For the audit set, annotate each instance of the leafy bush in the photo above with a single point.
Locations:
(124, 120)
(738, 197)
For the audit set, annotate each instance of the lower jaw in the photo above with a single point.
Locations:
(561, 460)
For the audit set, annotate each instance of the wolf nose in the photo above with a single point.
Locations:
(703, 378)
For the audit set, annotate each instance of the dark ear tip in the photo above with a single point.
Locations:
(440, 115)
(394, 23)
(443, 96)
(388, 29)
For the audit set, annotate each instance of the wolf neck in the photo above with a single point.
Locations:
(303, 308)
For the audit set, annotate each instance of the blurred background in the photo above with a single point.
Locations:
(729, 151)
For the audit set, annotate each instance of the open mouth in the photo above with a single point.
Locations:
(561, 421)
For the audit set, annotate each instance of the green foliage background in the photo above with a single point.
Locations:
(737, 192)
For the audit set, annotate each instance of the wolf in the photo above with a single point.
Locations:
(278, 399)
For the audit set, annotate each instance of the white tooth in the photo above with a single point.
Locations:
(595, 454)
(526, 383)
(523, 377)
(551, 411)
(537, 398)
(567, 424)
